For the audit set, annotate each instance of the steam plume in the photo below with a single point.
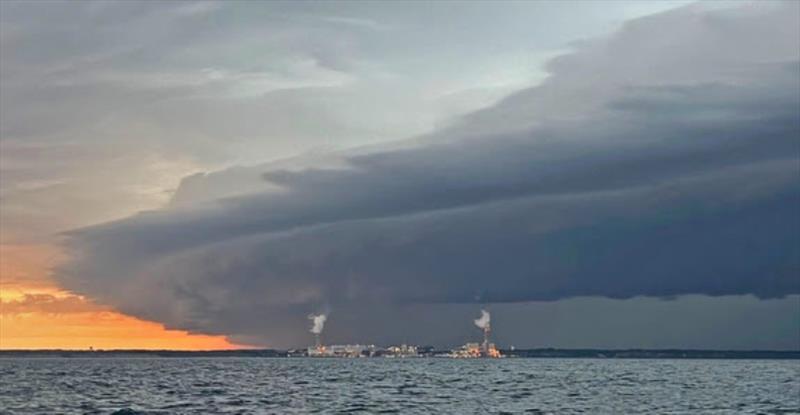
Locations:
(319, 322)
(484, 321)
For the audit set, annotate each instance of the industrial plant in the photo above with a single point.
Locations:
(485, 349)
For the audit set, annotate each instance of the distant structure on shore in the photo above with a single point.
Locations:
(317, 324)
(426, 351)
(342, 350)
(402, 351)
(467, 351)
(475, 350)
(360, 350)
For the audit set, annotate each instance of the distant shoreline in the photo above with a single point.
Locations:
(518, 353)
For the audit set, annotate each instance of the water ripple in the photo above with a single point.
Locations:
(133, 386)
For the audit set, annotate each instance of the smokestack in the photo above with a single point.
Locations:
(484, 323)
(318, 323)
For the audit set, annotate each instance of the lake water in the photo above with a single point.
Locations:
(424, 386)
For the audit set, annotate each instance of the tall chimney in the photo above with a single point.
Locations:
(486, 339)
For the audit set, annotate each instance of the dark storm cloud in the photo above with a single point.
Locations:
(652, 163)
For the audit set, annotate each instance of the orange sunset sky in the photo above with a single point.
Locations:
(36, 314)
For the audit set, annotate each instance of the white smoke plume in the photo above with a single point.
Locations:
(484, 321)
(319, 322)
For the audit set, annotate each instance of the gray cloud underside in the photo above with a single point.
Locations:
(660, 161)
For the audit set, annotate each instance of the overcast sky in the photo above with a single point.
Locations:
(597, 174)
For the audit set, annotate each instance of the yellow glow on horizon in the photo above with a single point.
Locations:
(66, 321)
(99, 330)
(25, 269)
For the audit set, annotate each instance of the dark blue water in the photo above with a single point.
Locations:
(424, 386)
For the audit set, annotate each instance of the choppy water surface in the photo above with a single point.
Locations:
(253, 385)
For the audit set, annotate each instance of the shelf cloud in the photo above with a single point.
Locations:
(661, 160)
